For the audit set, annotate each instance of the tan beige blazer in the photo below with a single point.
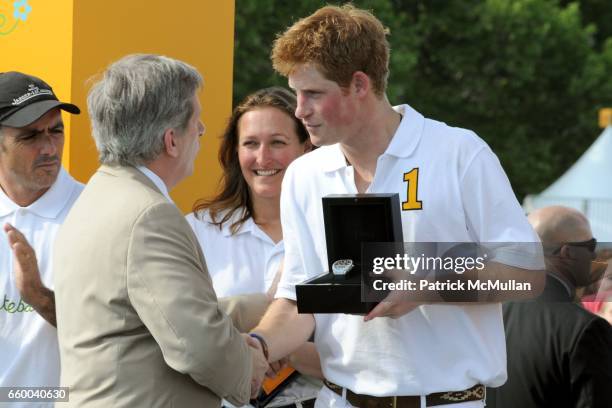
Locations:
(138, 319)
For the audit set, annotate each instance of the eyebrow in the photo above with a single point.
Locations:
(254, 136)
(32, 132)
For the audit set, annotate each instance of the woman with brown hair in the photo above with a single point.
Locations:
(239, 229)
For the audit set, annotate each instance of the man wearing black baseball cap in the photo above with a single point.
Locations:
(35, 197)
(25, 98)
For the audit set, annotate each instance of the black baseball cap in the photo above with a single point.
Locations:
(25, 98)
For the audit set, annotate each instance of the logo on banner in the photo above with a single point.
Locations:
(11, 18)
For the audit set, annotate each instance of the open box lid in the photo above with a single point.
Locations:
(353, 219)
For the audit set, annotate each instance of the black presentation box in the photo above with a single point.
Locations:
(350, 221)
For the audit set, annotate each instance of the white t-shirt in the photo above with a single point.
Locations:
(245, 262)
(29, 353)
(464, 196)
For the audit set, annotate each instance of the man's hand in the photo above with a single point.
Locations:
(284, 329)
(394, 305)
(260, 364)
(277, 366)
(27, 275)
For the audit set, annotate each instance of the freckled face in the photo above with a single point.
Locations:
(327, 111)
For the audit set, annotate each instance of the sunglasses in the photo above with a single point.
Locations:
(590, 244)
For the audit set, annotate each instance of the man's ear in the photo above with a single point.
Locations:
(361, 83)
(170, 143)
(564, 251)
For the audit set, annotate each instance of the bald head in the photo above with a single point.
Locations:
(556, 224)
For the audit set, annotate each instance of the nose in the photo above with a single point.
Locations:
(201, 129)
(301, 110)
(48, 145)
(264, 154)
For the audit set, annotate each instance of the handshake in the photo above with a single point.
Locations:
(261, 367)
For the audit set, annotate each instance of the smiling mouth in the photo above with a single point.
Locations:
(271, 172)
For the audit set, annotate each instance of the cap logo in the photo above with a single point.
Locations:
(33, 92)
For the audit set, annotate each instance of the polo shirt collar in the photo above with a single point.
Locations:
(404, 141)
(50, 204)
(248, 227)
(332, 158)
(408, 133)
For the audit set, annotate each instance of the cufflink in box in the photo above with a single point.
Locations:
(350, 221)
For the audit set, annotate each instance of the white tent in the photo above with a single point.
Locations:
(586, 186)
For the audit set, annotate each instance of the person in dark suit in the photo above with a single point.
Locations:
(559, 355)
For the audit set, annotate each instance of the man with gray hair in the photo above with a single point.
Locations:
(139, 324)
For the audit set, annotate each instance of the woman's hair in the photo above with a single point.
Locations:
(235, 197)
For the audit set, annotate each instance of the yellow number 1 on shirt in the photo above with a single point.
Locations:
(412, 202)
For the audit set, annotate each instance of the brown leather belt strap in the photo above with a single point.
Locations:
(474, 393)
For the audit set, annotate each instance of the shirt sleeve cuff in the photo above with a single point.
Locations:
(287, 292)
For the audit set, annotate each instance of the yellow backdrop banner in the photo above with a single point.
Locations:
(67, 42)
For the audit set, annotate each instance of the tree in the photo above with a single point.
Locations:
(512, 71)
(527, 75)
(257, 24)
(599, 14)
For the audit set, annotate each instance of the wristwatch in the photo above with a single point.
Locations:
(342, 266)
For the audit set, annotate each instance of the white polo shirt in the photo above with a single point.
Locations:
(29, 353)
(464, 196)
(245, 262)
